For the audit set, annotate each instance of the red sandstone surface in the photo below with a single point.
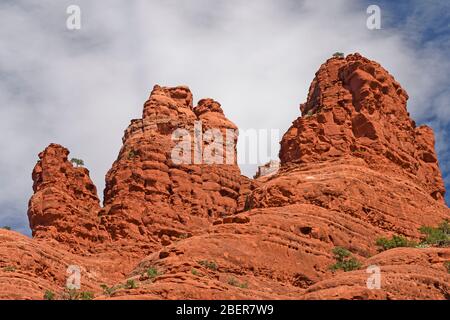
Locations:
(354, 168)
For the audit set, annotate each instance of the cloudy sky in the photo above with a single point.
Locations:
(80, 88)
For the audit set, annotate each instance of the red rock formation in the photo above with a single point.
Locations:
(406, 273)
(267, 169)
(153, 199)
(64, 206)
(354, 168)
(356, 108)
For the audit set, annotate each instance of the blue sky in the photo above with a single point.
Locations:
(256, 57)
(427, 23)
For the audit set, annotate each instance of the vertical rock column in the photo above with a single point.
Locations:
(151, 197)
(355, 108)
(65, 204)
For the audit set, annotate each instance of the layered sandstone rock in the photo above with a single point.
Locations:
(332, 160)
(267, 169)
(65, 204)
(182, 225)
(406, 273)
(356, 108)
(156, 196)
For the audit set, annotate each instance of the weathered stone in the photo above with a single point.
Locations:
(354, 168)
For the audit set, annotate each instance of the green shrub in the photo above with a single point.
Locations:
(439, 236)
(132, 154)
(338, 55)
(74, 294)
(309, 113)
(422, 245)
(131, 284)
(71, 294)
(347, 265)
(447, 266)
(49, 295)
(6, 227)
(108, 291)
(344, 260)
(9, 269)
(152, 272)
(232, 281)
(77, 162)
(211, 265)
(340, 253)
(195, 272)
(86, 295)
(394, 242)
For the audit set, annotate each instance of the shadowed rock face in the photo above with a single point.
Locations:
(354, 168)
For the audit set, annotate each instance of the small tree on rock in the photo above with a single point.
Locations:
(344, 260)
(77, 162)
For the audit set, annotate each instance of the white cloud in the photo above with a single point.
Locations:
(81, 88)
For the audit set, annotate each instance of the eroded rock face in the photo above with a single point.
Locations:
(356, 108)
(354, 168)
(65, 204)
(151, 194)
(268, 169)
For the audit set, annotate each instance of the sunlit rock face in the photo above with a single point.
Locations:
(354, 167)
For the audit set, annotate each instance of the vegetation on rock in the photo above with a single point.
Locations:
(437, 236)
(77, 162)
(395, 241)
(344, 260)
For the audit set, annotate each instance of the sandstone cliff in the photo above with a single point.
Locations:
(354, 168)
